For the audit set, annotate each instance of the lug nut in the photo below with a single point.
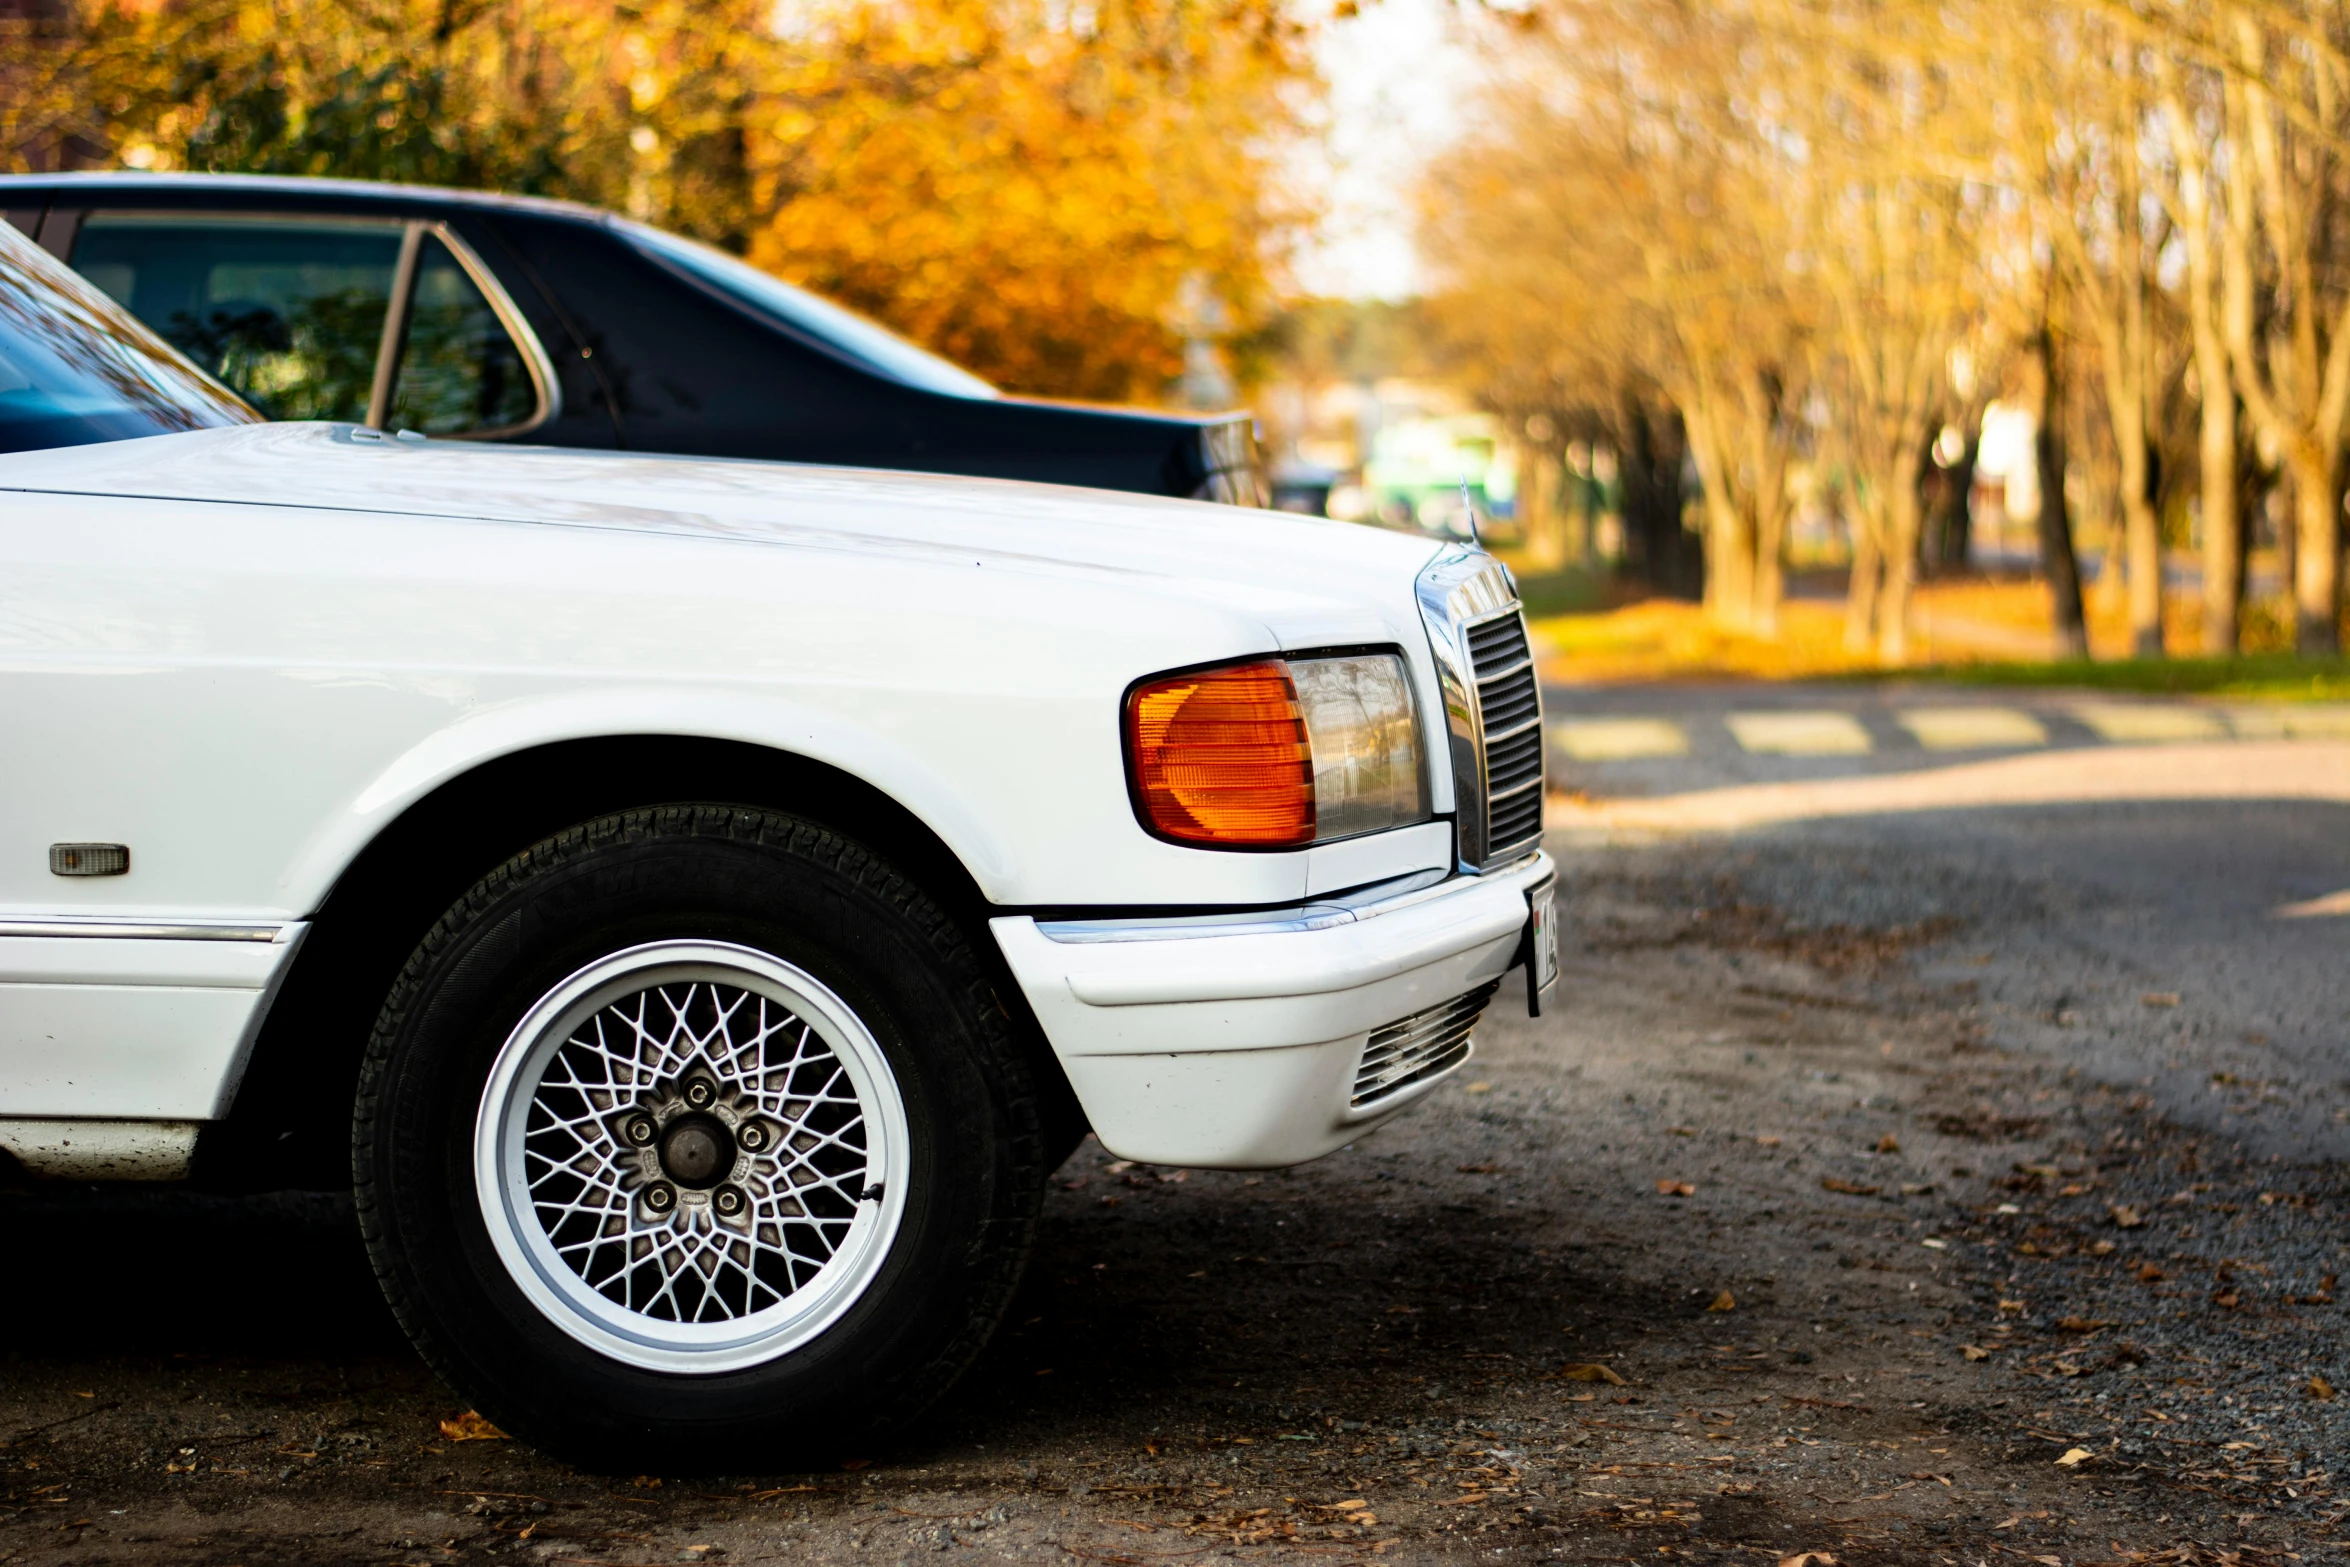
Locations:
(639, 1131)
(660, 1197)
(699, 1093)
(728, 1201)
(752, 1138)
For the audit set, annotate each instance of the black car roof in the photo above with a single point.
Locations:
(304, 185)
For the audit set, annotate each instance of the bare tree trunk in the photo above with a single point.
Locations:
(2317, 551)
(2057, 559)
(2216, 436)
(1902, 517)
(1540, 523)
(2142, 541)
(1770, 571)
(2223, 533)
(1729, 532)
(1767, 497)
(1860, 596)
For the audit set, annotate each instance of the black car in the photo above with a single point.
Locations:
(510, 318)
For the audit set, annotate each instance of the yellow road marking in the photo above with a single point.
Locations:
(1972, 728)
(1619, 739)
(1801, 734)
(2134, 722)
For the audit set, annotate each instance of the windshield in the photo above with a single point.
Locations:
(76, 368)
(866, 341)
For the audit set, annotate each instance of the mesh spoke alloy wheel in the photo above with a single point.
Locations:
(691, 1156)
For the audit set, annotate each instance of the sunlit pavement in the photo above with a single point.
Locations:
(1630, 740)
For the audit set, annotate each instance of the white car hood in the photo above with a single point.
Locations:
(1283, 567)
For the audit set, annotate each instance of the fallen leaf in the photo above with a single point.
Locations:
(2101, 1248)
(2011, 1305)
(2228, 1298)
(2321, 1390)
(1766, 1142)
(2126, 1217)
(1974, 1352)
(1808, 1559)
(1480, 1088)
(1675, 1189)
(1888, 1144)
(1849, 1188)
(2082, 1324)
(470, 1427)
(1723, 1302)
(1478, 1169)
(2074, 1456)
(2160, 998)
(1681, 1131)
(2067, 1368)
(2148, 1273)
(1592, 1372)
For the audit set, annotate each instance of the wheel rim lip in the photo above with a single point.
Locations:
(569, 1301)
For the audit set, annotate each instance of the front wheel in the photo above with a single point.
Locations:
(695, 1138)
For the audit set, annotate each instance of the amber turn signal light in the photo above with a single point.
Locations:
(1221, 756)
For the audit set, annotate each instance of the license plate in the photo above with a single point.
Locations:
(1542, 946)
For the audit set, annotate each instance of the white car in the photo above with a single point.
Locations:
(694, 904)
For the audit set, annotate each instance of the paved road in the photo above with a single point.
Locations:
(2195, 949)
(1911, 1217)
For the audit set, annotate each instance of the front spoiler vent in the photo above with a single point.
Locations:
(1416, 1048)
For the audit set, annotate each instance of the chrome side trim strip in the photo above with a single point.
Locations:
(146, 930)
(1352, 909)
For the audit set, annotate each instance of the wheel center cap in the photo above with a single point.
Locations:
(697, 1152)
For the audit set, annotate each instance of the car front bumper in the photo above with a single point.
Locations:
(1234, 1042)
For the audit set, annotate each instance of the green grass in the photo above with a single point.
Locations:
(1569, 592)
(2274, 676)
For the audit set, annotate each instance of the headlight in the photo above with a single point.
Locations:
(1276, 753)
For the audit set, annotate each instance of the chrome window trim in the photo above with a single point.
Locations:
(1463, 587)
(394, 341)
(534, 353)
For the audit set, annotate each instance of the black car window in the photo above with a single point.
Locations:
(288, 311)
(461, 372)
(75, 369)
(868, 342)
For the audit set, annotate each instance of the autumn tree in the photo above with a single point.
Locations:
(1603, 218)
(1035, 189)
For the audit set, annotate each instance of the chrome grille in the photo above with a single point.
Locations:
(1426, 1044)
(1509, 707)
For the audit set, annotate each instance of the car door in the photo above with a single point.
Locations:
(387, 321)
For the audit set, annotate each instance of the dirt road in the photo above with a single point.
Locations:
(1799, 1231)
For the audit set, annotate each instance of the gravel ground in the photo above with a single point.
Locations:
(1814, 1226)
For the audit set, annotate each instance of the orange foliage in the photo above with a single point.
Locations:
(1029, 188)
(1042, 189)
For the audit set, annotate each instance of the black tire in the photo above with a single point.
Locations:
(755, 879)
